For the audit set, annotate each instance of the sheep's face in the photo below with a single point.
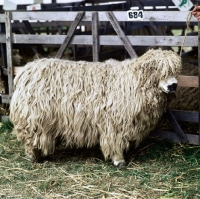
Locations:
(168, 85)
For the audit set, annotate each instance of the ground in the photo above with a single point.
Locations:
(157, 169)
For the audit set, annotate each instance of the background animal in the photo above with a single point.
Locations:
(186, 97)
(83, 104)
(17, 60)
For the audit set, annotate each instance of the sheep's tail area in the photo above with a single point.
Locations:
(34, 100)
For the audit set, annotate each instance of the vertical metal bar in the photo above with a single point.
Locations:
(199, 68)
(75, 52)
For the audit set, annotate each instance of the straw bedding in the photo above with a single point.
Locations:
(83, 104)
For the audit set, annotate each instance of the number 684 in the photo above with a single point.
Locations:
(135, 15)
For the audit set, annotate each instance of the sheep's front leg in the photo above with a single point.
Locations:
(32, 153)
(113, 147)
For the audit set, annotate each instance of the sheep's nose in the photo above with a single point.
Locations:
(172, 87)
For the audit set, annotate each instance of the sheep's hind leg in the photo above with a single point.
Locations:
(30, 141)
(118, 160)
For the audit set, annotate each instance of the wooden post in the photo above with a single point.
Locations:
(4, 58)
(121, 34)
(70, 33)
(9, 53)
(199, 68)
(95, 36)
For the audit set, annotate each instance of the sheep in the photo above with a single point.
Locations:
(82, 104)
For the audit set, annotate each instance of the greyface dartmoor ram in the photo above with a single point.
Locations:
(82, 104)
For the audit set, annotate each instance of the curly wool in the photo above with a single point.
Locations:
(83, 103)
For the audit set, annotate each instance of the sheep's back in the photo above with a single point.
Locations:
(66, 97)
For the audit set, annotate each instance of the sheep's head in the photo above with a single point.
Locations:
(159, 68)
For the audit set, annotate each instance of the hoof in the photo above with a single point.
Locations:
(35, 156)
(35, 160)
(31, 157)
(120, 164)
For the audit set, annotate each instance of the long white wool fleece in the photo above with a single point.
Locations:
(86, 103)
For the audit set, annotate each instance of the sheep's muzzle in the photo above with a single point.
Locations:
(172, 87)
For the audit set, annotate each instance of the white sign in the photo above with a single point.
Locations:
(183, 5)
(9, 5)
(34, 7)
(135, 15)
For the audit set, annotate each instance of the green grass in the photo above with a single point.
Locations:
(157, 169)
